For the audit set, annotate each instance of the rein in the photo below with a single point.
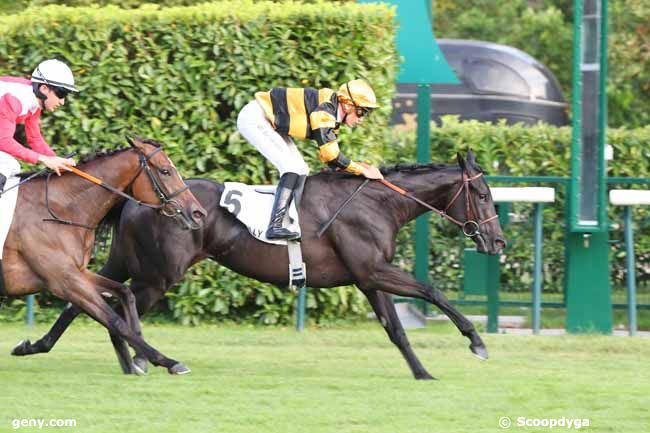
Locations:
(169, 206)
(471, 226)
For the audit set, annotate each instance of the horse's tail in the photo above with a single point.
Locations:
(108, 224)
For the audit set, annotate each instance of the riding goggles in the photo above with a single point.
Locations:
(60, 92)
(362, 111)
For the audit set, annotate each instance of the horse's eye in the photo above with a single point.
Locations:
(483, 197)
(164, 171)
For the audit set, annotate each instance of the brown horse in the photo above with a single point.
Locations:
(50, 241)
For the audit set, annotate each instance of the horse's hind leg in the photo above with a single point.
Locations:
(393, 280)
(124, 356)
(45, 344)
(383, 306)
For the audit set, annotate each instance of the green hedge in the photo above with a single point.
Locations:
(629, 63)
(542, 29)
(133, 4)
(180, 75)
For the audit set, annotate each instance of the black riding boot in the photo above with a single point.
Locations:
(283, 196)
(3, 179)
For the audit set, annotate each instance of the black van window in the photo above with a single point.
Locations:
(488, 76)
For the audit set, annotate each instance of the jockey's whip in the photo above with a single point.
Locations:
(33, 175)
(338, 211)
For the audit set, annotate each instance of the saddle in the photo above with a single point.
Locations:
(251, 205)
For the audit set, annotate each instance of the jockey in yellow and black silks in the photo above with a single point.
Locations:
(273, 118)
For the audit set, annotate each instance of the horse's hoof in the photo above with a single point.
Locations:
(479, 351)
(21, 348)
(178, 368)
(141, 365)
(137, 370)
(425, 376)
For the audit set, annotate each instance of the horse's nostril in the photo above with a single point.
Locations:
(501, 243)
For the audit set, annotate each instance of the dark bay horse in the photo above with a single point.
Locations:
(357, 248)
(52, 235)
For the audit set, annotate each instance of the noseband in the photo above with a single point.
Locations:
(470, 227)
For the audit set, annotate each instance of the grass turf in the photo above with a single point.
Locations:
(348, 378)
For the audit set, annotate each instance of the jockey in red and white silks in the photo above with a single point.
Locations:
(21, 102)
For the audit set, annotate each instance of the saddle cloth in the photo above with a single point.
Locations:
(252, 204)
(7, 207)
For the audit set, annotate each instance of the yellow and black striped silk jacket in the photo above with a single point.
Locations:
(308, 113)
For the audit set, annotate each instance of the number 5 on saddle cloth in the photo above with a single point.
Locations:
(251, 205)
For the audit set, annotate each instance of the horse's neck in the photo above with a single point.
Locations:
(92, 202)
(433, 187)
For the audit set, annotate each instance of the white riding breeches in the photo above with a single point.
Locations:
(9, 166)
(280, 150)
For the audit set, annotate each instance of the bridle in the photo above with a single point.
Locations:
(169, 207)
(471, 227)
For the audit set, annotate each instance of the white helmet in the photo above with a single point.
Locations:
(54, 73)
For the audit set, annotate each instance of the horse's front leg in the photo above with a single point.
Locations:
(388, 278)
(47, 342)
(125, 297)
(145, 297)
(384, 309)
(130, 312)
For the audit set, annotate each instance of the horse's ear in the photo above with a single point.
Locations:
(130, 140)
(471, 158)
(135, 141)
(461, 160)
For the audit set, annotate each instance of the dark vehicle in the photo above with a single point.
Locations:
(497, 82)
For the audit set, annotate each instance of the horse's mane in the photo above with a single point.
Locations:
(412, 167)
(93, 156)
(385, 170)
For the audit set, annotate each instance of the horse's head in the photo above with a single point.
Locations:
(159, 182)
(473, 206)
